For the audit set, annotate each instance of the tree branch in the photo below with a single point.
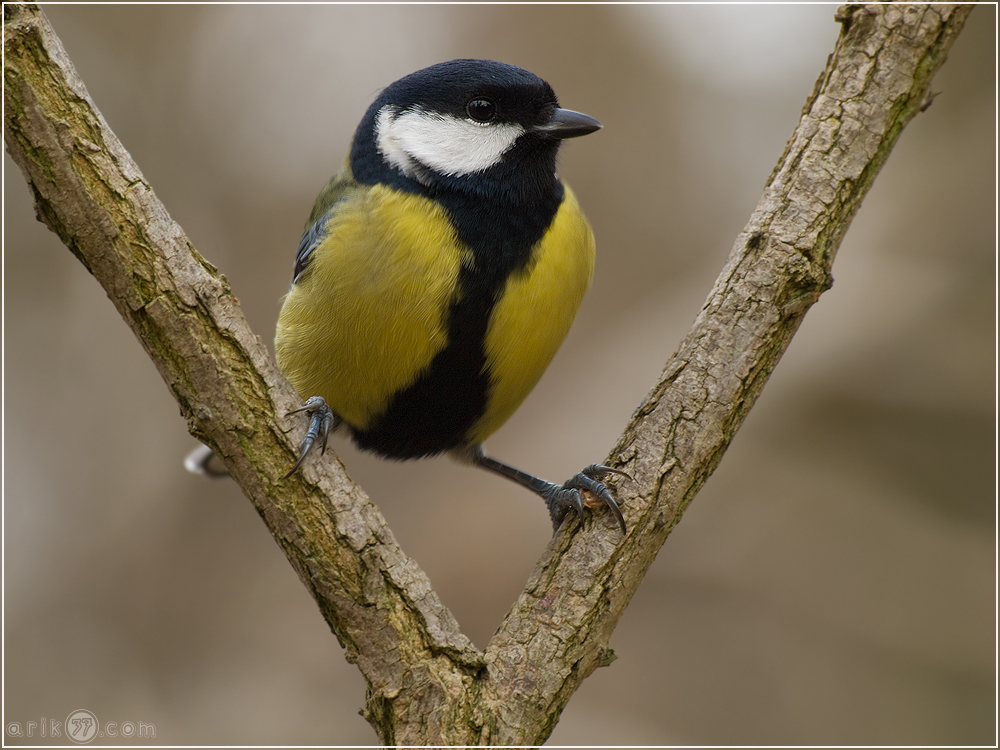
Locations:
(89, 191)
(876, 81)
(427, 683)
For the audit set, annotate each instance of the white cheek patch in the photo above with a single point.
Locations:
(441, 143)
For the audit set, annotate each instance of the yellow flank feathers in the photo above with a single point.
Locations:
(534, 314)
(369, 314)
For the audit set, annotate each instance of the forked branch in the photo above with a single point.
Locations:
(427, 683)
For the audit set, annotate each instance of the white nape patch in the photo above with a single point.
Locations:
(418, 140)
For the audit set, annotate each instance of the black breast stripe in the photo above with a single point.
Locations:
(436, 412)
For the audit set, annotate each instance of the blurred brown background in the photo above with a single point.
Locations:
(833, 583)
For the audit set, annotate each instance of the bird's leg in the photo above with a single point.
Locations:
(322, 421)
(559, 499)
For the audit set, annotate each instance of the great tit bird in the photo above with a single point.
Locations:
(440, 270)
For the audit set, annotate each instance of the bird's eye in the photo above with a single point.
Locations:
(481, 110)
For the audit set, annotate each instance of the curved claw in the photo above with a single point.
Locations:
(322, 421)
(604, 496)
(561, 499)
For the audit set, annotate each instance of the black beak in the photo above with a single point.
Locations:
(565, 123)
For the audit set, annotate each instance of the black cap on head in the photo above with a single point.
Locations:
(519, 96)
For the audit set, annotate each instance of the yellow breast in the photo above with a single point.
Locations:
(369, 314)
(371, 311)
(534, 314)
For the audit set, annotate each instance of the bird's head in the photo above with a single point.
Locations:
(469, 125)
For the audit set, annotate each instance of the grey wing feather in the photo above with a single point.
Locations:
(326, 205)
(309, 242)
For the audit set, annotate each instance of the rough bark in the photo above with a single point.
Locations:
(427, 683)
